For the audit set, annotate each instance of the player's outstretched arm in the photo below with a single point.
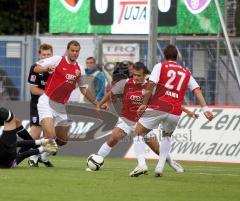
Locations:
(105, 99)
(40, 69)
(198, 93)
(190, 113)
(88, 95)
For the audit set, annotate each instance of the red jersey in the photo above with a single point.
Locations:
(62, 82)
(171, 88)
(132, 99)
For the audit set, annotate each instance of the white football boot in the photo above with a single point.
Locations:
(139, 170)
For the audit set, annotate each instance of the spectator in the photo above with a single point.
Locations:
(95, 79)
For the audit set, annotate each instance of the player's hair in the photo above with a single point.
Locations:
(120, 71)
(45, 46)
(74, 43)
(171, 53)
(140, 66)
(91, 58)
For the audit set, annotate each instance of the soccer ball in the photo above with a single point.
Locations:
(95, 162)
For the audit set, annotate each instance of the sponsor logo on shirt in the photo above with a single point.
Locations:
(34, 119)
(77, 72)
(136, 99)
(70, 77)
(33, 78)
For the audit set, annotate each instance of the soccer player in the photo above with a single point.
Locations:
(8, 141)
(132, 91)
(37, 83)
(162, 103)
(65, 74)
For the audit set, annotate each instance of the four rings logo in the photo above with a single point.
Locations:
(196, 6)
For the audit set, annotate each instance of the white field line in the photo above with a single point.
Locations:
(211, 174)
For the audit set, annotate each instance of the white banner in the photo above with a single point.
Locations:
(117, 52)
(201, 140)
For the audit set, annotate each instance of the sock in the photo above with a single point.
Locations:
(41, 150)
(165, 147)
(35, 157)
(44, 157)
(23, 133)
(169, 158)
(5, 114)
(104, 150)
(139, 148)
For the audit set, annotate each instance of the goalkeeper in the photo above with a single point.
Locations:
(9, 157)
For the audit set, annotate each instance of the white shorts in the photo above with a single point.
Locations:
(49, 108)
(128, 127)
(152, 118)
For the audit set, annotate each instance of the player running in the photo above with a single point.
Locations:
(131, 90)
(162, 103)
(65, 75)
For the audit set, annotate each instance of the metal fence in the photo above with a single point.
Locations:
(206, 56)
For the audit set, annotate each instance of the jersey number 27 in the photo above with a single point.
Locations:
(171, 74)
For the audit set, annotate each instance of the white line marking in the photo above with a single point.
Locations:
(204, 173)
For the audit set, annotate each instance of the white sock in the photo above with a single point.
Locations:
(38, 142)
(104, 150)
(35, 157)
(165, 147)
(139, 148)
(41, 150)
(169, 158)
(44, 156)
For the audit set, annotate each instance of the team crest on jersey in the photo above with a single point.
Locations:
(196, 6)
(34, 119)
(72, 5)
(33, 78)
(77, 72)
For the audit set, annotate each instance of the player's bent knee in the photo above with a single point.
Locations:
(112, 141)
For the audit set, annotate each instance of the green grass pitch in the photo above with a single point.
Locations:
(69, 181)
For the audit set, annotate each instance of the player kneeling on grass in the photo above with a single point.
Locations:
(131, 90)
(8, 141)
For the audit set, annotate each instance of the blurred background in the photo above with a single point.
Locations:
(117, 31)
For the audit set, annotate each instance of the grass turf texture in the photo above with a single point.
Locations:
(69, 181)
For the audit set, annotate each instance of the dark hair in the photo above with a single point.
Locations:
(91, 58)
(171, 53)
(120, 72)
(45, 46)
(73, 42)
(140, 66)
